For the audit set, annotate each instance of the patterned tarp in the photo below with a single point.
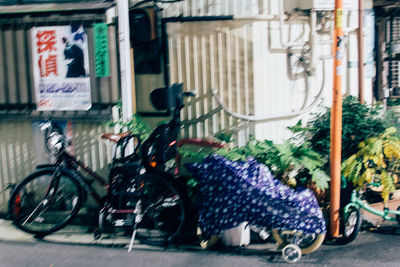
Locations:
(232, 192)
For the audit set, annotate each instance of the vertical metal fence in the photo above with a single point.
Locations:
(20, 146)
(217, 56)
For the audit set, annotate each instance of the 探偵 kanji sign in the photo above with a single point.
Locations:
(60, 68)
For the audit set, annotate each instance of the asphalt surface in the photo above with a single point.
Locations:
(378, 248)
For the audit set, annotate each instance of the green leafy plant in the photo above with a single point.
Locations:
(191, 154)
(224, 136)
(135, 125)
(376, 161)
(295, 165)
(393, 102)
(359, 122)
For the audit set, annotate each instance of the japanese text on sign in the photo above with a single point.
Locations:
(61, 68)
(101, 50)
(46, 44)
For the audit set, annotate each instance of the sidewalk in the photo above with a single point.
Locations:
(79, 235)
(72, 234)
(377, 220)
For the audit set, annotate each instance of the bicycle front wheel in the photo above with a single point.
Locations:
(45, 201)
(351, 226)
(162, 211)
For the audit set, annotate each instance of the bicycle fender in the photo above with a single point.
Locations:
(348, 206)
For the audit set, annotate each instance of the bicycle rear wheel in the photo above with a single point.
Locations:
(45, 201)
(308, 242)
(162, 211)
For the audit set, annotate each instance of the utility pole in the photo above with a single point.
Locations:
(336, 119)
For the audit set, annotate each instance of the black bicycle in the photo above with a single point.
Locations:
(141, 195)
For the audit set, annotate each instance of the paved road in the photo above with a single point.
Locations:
(369, 249)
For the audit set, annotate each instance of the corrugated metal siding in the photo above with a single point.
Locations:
(240, 60)
(213, 55)
(18, 151)
(217, 8)
(17, 94)
(248, 63)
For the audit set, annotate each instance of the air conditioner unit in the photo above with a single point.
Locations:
(319, 5)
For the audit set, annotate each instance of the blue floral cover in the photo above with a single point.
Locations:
(232, 192)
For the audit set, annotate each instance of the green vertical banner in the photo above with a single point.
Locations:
(101, 54)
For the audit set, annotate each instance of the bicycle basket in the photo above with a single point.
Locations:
(167, 97)
(160, 147)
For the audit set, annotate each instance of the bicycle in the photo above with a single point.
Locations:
(141, 195)
(352, 217)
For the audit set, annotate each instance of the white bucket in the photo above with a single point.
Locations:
(237, 236)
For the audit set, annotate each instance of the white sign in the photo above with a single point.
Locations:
(369, 41)
(326, 4)
(61, 68)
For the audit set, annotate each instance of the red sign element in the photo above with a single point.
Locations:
(51, 65)
(46, 41)
(48, 65)
(45, 103)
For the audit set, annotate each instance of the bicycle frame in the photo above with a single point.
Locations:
(75, 164)
(358, 203)
(174, 101)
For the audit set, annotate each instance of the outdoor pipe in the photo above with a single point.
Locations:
(259, 119)
(360, 52)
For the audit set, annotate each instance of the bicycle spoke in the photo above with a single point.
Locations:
(45, 201)
(33, 212)
(163, 212)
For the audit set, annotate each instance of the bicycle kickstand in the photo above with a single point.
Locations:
(132, 239)
(138, 218)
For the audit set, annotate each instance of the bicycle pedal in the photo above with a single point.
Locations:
(119, 223)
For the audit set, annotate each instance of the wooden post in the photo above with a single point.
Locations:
(336, 120)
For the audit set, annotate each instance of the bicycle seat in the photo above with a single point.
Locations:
(114, 137)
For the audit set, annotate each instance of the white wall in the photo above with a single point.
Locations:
(246, 60)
